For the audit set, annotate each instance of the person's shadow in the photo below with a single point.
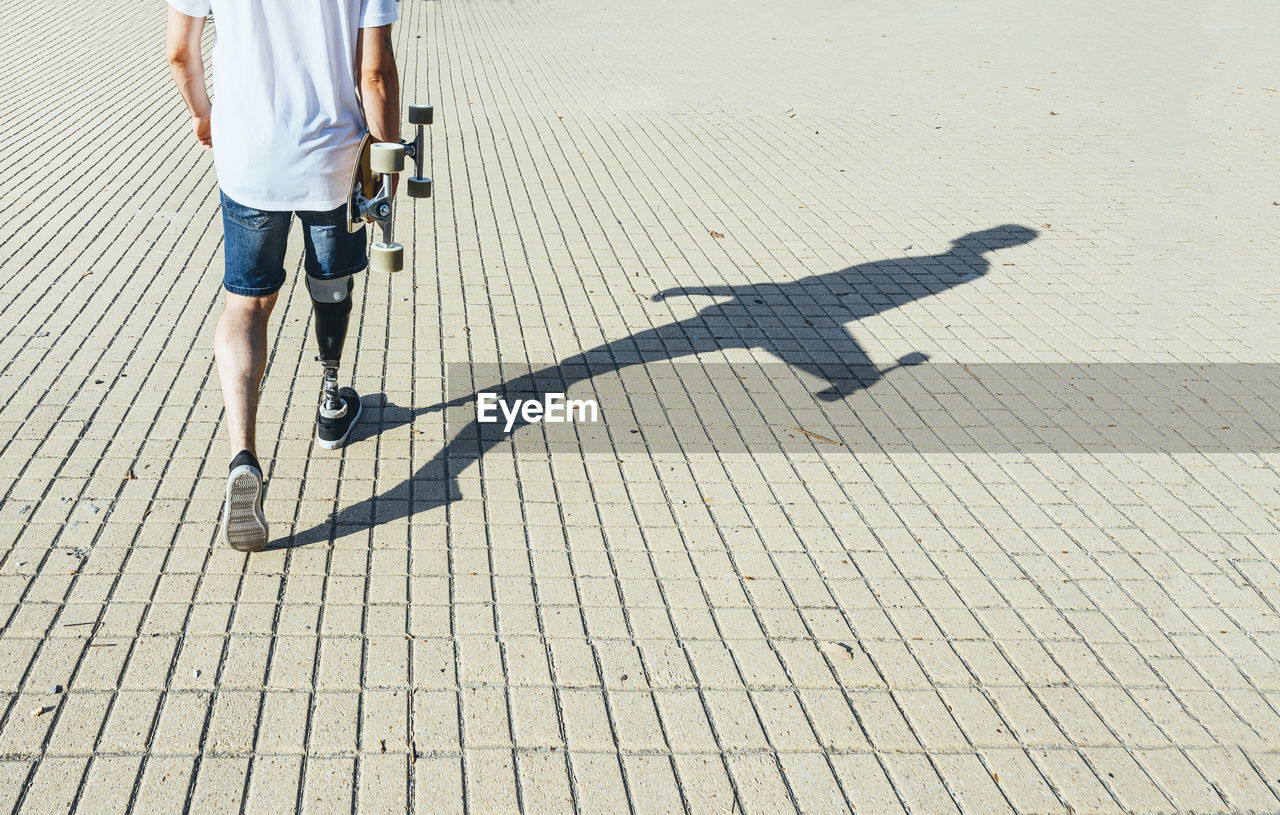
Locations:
(801, 322)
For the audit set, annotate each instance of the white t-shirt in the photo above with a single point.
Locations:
(286, 116)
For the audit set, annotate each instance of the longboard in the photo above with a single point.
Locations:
(370, 196)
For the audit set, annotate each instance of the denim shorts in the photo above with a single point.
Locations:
(254, 245)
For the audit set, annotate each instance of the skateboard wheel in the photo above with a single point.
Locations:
(419, 188)
(386, 257)
(386, 157)
(420, 114)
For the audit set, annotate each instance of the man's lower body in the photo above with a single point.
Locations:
(254, 243)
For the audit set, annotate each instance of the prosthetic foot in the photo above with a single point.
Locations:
(339, 407)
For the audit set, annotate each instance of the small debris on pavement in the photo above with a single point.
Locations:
(813, 435)
(54, 690)
(40, 711)
(195, 674)
(838, 649)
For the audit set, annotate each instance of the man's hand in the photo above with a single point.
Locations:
(186, 63)
(204, 134)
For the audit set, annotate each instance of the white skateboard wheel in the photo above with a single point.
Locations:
(386, 157)
(418, 187)
(386, 257)
(420, 114)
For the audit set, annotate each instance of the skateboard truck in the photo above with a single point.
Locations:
(381, 161)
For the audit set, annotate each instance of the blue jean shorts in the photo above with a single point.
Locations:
(254, 245)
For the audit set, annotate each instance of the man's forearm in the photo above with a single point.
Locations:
(186, 63)
(188, 74)
(379, 84)
(382, 106)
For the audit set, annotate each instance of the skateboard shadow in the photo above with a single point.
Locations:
(790, 320)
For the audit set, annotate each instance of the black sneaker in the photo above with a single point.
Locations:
(244, 527)
(332, 431)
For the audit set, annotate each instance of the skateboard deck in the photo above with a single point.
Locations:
(363, 184)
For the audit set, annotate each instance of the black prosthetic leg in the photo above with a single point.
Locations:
(331, 300)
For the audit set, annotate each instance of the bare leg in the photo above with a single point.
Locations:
(240, 346)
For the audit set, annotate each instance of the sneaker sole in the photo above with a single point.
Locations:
(243, 526)
(336, 443)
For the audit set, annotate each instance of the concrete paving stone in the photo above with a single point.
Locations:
(598, 780)
(491, 781)
(485, 719)
(883, 720)
(686, 721)
(382, 780)
(437, 784)
(788, 725)
(636, 721)
(107, 777)
(165, 779)
(812, 781)
(1027, 718)
(180, 728)
(735, 720)
(535, 721)
(971, 786)
(328, 785)
(652, 784)
(760, 783)
(931, 721)
(384, 720)
(1128, 781)
(1123, 716)
(894, 662)
(219, 780)
(128, 726)
(1074, 716)
(292, 663)
(54, 787)
(1074, 780)
(1023, 784)
(16, 654)
(587, 723)
(544, 781)
(339, 661)
(333, 728)
(620, 663)
(917, 782)
(705, 784)
(865, 784)
(987, 663)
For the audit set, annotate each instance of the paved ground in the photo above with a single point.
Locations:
(1031, 611)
